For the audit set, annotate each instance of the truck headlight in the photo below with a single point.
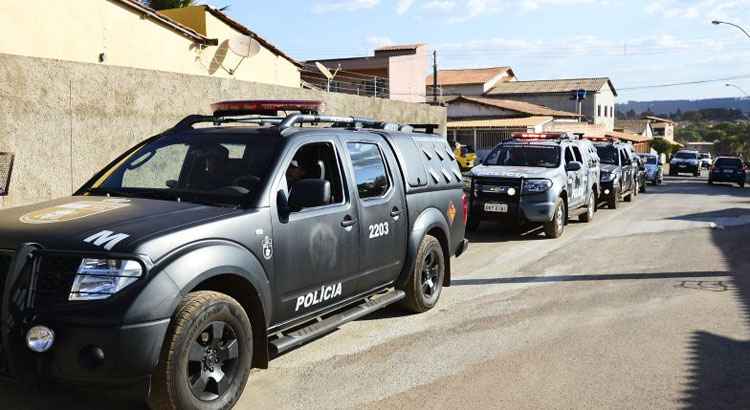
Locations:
(536, 186)
(607, 177)
(99, 279)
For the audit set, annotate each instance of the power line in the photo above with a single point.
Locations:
(665, 85)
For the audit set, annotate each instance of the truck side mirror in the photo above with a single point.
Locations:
(309, 193)
(573, 166)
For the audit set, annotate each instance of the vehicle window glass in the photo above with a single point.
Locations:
(316, 161)
(686, 155)
(154, 169)
(650, 160)
(369, 169)
(524, 156)
(729, 162)
(224, 170)
(569, 157)
(624, 159)
(578, 155)
(607, 154)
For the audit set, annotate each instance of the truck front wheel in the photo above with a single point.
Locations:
(426, 280)
(207, 355)
(554, 228)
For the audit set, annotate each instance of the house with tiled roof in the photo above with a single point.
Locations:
(193, 40)
(468, 81)
(640, 127)
(597, 106)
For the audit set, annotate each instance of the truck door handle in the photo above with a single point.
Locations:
(395, 212)
(348, 222)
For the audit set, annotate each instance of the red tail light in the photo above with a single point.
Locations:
(264, 107)
(465, 202)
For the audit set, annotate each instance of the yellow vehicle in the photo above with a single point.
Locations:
(465, 156)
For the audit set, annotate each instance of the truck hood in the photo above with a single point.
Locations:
(511, 172)
(609, 168)
(98, 223)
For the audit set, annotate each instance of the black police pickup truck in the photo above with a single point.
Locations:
(207, 250)
(619, 177)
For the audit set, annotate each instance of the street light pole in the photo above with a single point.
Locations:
(717, 22)
(738, 87)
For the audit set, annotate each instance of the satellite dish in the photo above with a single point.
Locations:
(244, 46)
(324, 70)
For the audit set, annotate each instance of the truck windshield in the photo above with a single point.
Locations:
(222, 170)
(607, 154)
(649, 160)
(524, 156)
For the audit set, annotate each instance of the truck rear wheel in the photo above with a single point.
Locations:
(207, 355)
(588, 216)
(554, 228)
(426, 280)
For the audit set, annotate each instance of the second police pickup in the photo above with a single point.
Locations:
(539, 178)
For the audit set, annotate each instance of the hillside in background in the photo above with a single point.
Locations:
(667, 107)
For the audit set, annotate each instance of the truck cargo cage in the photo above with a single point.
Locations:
(297, 112)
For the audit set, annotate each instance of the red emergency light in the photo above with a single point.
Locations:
(264, 107)
(537, 135)
(601, 138)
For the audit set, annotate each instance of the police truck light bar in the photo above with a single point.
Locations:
(265, 107)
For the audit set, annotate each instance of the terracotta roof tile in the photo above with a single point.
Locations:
(501, 123)
(517, 106)
(467, 76)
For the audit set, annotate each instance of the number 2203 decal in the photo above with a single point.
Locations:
(379, 230)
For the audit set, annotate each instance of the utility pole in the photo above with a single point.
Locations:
(434, 78)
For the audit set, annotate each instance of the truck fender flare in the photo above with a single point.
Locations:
(182, 271)
(429, 219)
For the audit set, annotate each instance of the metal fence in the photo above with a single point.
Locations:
(482, 139)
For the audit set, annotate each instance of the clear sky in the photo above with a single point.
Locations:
(633, 42)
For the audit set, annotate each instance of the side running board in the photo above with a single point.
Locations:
(301, 336)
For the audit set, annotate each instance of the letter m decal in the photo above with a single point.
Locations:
(106, 239)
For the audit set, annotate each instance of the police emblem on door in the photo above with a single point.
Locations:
(267, 245)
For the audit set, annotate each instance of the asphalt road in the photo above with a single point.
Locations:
(647, 307)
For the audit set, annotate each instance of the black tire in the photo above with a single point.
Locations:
(213, 327)
(741, 184)
(588, 216)
(612, 200)
(629, 197)
(425, 282)
(696, 174)
(555, 228)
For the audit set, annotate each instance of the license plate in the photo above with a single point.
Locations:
(496, 207)
(683, 166)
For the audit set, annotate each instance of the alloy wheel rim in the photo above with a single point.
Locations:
(430, 274)
(213, 361)
(560, 218)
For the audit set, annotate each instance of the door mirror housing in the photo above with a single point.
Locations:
(309, 193)
(573, 166)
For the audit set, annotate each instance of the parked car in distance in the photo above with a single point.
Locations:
(728, 169)
(465, 156)
(654, 168)
(684, 162)
(706, 160)
(618, 172)
(539, 178)
(223, 242)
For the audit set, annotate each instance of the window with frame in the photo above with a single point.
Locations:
(317, 161)
(624, 158)
(578, 155)
(370, 172)
(569, 157)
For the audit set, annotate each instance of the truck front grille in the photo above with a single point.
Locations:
(54, 278)
(497, 188)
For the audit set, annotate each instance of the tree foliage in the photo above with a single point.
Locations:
(662, 146)
(730, 138)
(168, 4)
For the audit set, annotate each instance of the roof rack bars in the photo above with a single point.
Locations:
(293, 120)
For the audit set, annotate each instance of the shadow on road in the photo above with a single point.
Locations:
(719, 367)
